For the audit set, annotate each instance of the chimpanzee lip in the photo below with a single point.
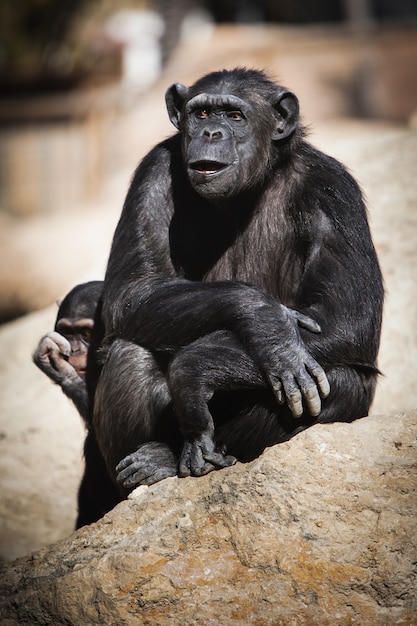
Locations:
(207, 167)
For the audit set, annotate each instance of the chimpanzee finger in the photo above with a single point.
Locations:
(295, 403)
(312, 400)
(184, 465)
(293, 396)
(58, 342)
(219, 460)
(277, 388)
(320, 375)
(309, 392)
(305, 321)
(132, 476)
(125, 462)
(323, 384)
(158, 475)
(202, 470)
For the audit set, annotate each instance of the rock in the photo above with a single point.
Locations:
(319, 530)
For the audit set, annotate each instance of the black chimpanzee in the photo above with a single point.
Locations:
(62, 353)
(243, 298)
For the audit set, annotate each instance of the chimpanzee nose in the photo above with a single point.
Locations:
(213, 133)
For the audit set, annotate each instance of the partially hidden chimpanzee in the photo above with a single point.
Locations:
(62, 355)
(242, 301)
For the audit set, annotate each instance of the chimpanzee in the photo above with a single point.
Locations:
(242, 301)
(62, 353)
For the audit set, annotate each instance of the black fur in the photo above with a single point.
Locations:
(205, 356)
(62, 356)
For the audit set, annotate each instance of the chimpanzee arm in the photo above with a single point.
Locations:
(51, 356)
(146, 302)
(341, 287)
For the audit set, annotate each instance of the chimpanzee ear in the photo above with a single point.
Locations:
(286, 109)
(175, 97)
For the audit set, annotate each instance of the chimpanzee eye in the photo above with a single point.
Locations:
(235, 115)
(201, 113)
(86, 334)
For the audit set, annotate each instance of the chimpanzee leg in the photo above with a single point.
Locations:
(132, 411)
(202, 378)
(211, 364)
(263, 423)
(222, 404)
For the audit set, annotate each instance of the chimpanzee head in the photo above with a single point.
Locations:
(234, 125)
(75, 321)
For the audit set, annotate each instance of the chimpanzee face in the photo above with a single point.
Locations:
(228, 139)
(78, 333)
(218, 144)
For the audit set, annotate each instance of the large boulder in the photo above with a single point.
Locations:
(319, 530)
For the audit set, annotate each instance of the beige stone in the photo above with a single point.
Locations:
(319, 530)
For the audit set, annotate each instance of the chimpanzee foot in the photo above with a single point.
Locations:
(151, 463)
(200, 456)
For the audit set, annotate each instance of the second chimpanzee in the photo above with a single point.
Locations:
(243, 298)
(62, 353)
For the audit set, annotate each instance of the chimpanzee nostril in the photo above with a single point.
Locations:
(213, 134)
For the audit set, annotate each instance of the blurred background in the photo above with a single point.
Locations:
(82, 86)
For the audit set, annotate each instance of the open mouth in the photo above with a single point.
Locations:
(207, 167)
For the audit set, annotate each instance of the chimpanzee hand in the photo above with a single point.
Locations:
(200, 456)
(51, 356)
(152, 462)
(291, 375)
(292, 372)
(306, 322)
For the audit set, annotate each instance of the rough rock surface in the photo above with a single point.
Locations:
(319, 530)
